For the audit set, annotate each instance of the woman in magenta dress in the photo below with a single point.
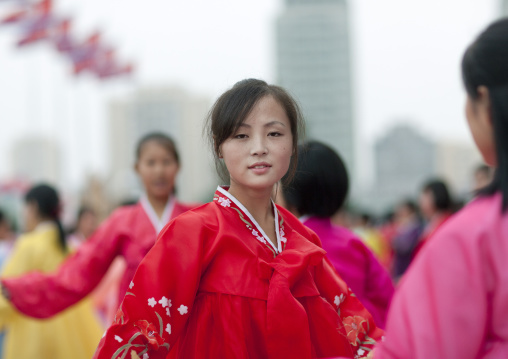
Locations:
(129, 232)
(317, 191)
(240, 277)
(453, 301)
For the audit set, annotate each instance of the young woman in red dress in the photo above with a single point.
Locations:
(128, 233)
(240, 277)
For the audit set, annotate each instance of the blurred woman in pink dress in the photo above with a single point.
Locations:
(453, 301)
(317, 191)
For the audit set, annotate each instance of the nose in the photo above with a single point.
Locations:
(259, 146)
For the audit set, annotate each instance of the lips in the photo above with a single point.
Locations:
(259, 165)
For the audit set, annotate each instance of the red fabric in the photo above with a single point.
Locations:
(210, 289)
(128, 232)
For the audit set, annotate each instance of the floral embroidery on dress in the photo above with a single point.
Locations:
(119, 316)
(224, 202)
(145, 356)
(339, 299)
(152, 302)
(149, 331)
(167, 311)
(165, 302)
(131, 285)
(281, 233)
(357, 328)
(118, 339)
(168, 328)
(182, 309)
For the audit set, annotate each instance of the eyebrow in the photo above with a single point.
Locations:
(265, 125)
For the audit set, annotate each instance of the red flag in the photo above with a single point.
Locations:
(15, 17)
(82, 56)
(62, 38)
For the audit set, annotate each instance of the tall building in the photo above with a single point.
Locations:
(36, 159)
(456, 162)
(171, 111)
(504, 7)
(313, 63)
(404, 159)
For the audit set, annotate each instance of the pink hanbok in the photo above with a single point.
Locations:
(453, 301)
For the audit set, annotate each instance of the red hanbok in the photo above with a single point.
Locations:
(214, 286)
(129, 232)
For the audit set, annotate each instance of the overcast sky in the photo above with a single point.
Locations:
(406, 57)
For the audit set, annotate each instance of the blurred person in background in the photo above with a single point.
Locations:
(6, 244)
(72, 334)
(483, 176)
(86, 224)
(6, 238)
(409, 228)
(366, 229)
(317, 191)
(104, 296)
(436, 207)
(453, 301)
(130, 232)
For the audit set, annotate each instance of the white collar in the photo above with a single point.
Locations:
(277, 249)
(158, 223)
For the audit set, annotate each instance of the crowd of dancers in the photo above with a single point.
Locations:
(265, 270)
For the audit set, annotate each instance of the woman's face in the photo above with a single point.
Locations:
(427, 204)
(480, 125)
(31, 216)
(157, 167)
(258, 154)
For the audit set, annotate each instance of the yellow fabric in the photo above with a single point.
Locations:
(74, 333)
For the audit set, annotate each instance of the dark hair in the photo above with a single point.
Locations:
(485, 63)
(232, 108)
(2, 216)
(162, 139)
(81, 212)
(320, 183)
(48, 206)
(410, 205)
(440, 194)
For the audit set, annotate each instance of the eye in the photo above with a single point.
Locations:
(240, 136)
(275, 134)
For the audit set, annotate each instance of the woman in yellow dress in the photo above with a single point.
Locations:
(75, 332)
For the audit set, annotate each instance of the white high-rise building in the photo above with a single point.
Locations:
(313, 63)
(504, 7)
(173, 112)
(36, 159)
(456, 162)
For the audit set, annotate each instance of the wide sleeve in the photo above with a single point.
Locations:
(440, 309)
(360, 327)
(42, 295)
(161, 295)
(379, 287)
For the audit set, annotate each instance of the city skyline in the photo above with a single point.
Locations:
(396, 73)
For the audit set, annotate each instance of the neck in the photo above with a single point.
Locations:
(158, 204)
(258, 203)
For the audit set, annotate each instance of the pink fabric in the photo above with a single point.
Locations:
(357, 266)
(128, 232)
(453, 301)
